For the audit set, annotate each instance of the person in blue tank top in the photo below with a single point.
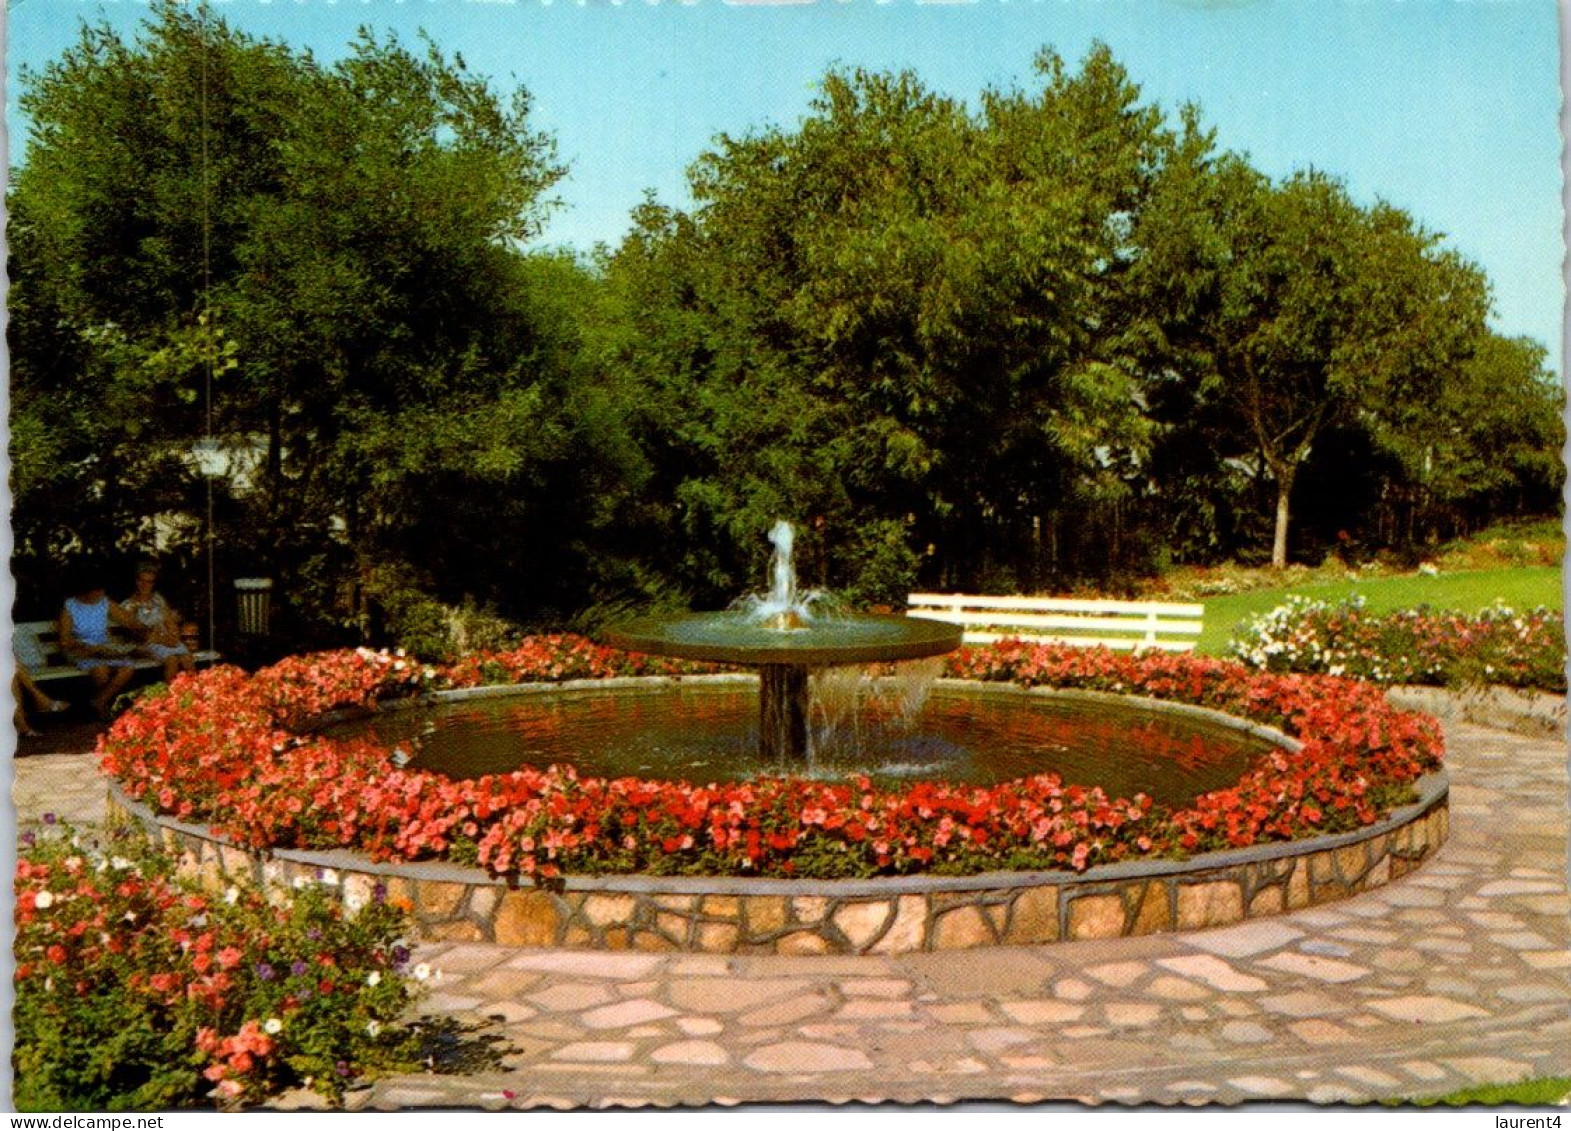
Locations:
(85, 621)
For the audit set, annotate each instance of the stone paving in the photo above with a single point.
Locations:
(1455, 975)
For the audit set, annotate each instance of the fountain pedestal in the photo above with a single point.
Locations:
(782, 712)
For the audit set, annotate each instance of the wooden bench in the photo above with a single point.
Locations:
(36, 645)
(1055, 620)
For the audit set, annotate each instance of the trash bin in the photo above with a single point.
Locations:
(255, 594)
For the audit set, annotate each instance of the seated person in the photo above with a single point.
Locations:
(84, 638)
(161, 626)
(26, 693)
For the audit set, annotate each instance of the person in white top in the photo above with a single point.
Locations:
(85, 621)
(160, 623)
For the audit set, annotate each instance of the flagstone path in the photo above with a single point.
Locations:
(1455, 975)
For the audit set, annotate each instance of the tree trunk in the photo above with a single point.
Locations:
(1284, 489)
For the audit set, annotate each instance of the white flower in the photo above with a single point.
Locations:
(422, 971)
(232, 896)
(329, 876)
(43, 899)
(272, 1025)
(373, 978)
(119, 863)
(372, 1028)
(300, 882)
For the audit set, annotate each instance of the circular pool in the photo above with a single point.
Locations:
(229, 771)
(705, 730)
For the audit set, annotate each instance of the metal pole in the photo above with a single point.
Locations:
(207, 314)
(212, 602)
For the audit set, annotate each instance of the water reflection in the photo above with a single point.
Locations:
(704, 734)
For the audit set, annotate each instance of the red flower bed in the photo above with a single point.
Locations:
(221, 748)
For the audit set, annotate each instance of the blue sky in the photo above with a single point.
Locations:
(1447, 108)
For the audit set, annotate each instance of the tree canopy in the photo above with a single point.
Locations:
(1303, 311)
(900, 323)
(336, 246)
(1048, 336)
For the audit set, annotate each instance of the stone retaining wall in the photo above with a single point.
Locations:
(1537, 714)
(741, 916)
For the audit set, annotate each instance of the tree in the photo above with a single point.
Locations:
(337, 244)
(1305, 311)
(1483, 444)
(898, 323)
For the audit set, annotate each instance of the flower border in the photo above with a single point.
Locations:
(229, 750)
(1495, 646)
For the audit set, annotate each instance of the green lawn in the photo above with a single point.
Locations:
(1524, 588)
(1534, 1093)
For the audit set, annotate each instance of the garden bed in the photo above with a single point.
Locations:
(1496, 647)
(231, 751)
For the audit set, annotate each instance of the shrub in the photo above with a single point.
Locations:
(135, 990)
(1498, 645)
(882, 564)
(432, 630)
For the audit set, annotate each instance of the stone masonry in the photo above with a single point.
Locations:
(727, 916)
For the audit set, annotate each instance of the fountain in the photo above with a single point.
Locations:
(668, 763)
(785, 636)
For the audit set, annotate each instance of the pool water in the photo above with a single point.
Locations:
(709, 733)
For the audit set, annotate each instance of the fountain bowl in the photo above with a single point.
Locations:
(826, 641)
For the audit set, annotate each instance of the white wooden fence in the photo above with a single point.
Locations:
(1113, 624)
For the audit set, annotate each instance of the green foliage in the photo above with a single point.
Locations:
(336, 246)
(138, 991)
(884, 565)
(943, 340)
(1043, 339)
(1484, 442)
(1516, 544)
(433, 631)
(1298, 311)
(418, 624)
(1545, 1091)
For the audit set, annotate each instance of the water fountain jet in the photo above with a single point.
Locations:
(785, 637)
